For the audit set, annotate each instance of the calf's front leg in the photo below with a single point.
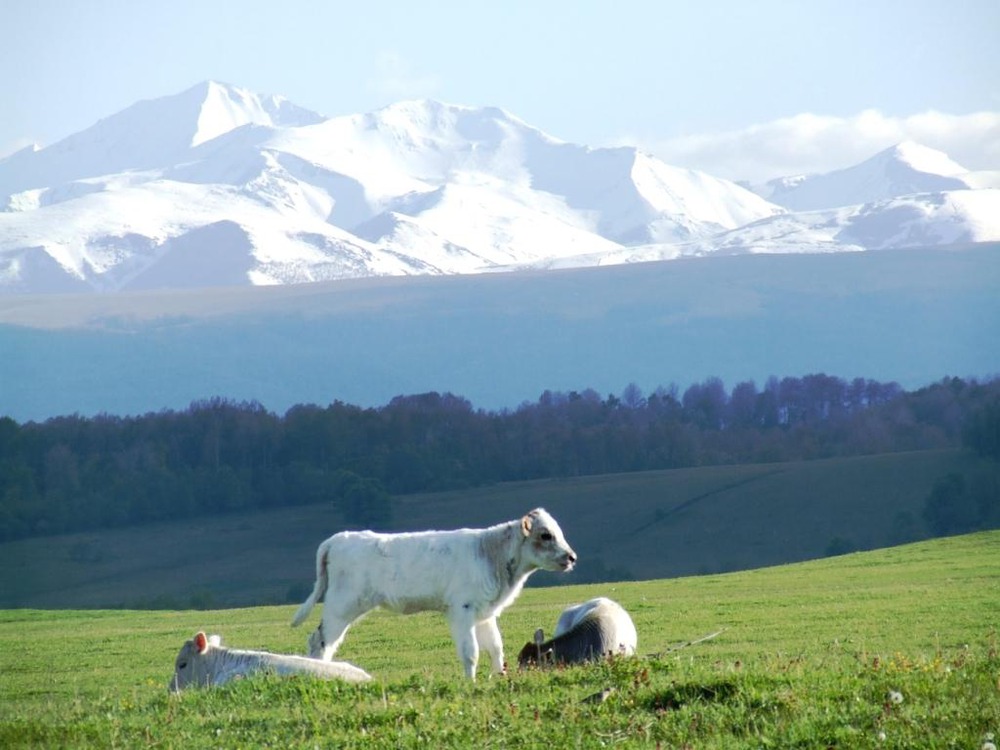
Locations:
(488, 637)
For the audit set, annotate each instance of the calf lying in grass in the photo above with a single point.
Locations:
(585, 632)
(204, 661)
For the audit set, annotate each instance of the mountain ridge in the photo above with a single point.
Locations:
(250, 189)
(903, 169)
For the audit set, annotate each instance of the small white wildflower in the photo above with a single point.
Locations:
(881, 736)
(988, 744)
(895, 697)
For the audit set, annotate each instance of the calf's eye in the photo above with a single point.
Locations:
(546, 536)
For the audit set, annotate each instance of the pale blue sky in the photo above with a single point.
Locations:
(747, 88)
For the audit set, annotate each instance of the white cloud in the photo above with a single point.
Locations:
(809, 143)
(395, 79)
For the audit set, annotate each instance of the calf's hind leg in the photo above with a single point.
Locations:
(463, 632)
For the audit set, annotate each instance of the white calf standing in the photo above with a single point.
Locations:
(470, 574)
(204, 661)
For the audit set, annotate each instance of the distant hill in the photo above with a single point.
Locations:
(627, 526)
(912, 316)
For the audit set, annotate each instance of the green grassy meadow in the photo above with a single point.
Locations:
(894, 648)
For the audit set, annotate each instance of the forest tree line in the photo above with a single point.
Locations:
(73, 473)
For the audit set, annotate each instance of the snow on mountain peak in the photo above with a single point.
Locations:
(224, 108)
(150, 134)
(904, 169)
(431, 115)
(920, 158)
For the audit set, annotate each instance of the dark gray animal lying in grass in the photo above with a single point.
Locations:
(204, 661)
(585, 632)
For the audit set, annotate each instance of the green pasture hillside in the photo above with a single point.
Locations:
(638, 526)
(893, 648)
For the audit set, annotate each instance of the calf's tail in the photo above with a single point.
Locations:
(319, 589)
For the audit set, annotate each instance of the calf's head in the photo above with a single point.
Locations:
(192, 665)
(535, 653)
(544, 543)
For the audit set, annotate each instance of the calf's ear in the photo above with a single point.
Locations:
(526, 525)
(201, 642)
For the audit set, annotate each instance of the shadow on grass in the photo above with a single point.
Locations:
(677, 696)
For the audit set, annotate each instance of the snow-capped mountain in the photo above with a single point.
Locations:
(150, 134)
(220, 186)
(951, 218)
(904, 169)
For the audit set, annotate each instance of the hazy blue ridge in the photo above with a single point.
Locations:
(498, 340)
